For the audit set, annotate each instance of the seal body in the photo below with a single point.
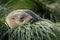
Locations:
(20, 17)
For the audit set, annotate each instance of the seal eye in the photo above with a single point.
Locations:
(22, 19)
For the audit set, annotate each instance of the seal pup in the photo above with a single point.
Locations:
(21, 17)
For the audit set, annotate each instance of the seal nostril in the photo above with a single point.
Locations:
(31, 19)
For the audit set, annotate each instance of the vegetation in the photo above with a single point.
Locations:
(42, 30)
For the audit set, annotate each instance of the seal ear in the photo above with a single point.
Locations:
(34, 15)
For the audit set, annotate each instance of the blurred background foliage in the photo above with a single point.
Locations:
(48, 9)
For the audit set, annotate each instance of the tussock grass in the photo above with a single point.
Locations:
(40, 30)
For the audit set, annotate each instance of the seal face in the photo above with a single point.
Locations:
(16, 18)
(20, 17)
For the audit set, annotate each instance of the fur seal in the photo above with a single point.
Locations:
(20, 17)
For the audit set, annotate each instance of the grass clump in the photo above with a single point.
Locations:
(40, 30)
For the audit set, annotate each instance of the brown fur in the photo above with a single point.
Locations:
(14, 18)
(20, 17)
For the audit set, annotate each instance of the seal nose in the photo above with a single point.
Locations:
(31, 20)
